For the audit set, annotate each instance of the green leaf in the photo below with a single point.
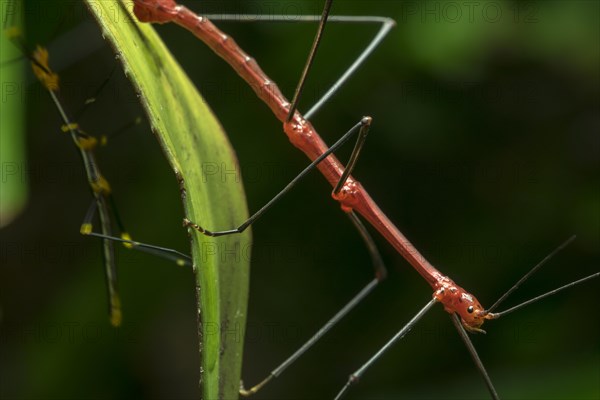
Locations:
(198, 150)
(13, 186)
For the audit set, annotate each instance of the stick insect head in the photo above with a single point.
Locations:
(457, 300)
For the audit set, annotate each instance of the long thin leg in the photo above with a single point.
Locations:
(465, 338)
(359, 127)
(376, 260)
(309, 60)
(355, 376)
(380, 273)
(386, 26)
(110, 267)
(164, 252)
(314, 339)
(360, 142)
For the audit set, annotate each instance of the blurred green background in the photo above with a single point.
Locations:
(484, 150)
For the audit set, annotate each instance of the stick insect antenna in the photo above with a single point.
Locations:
(543, 296)
(530, 273)
(491, 315)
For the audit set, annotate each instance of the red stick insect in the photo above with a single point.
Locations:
(465, 309)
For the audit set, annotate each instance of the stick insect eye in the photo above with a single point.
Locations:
(470, 310)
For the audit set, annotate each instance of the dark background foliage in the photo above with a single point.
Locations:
(484, 151)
